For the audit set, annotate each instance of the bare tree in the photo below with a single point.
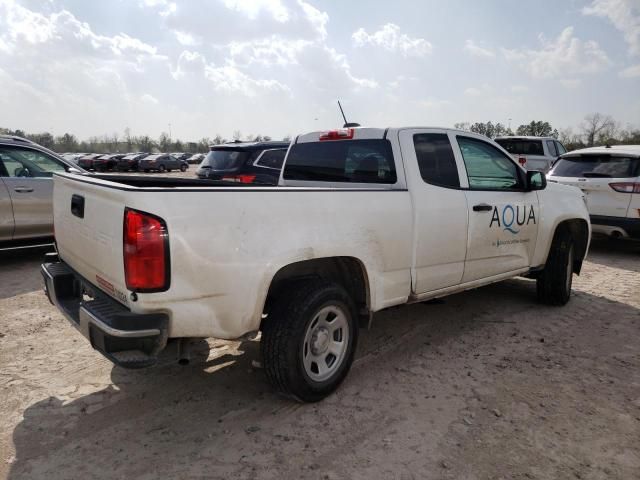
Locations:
(594, 124)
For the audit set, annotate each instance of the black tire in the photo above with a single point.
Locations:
(554, 282)
(146, 170)
(183, 168)
(162, 168)
(283, 339)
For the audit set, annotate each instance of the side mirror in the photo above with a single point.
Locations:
(536, 180)
(73, 170)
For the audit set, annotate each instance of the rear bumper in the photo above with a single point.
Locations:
(629, 227)
(128, 339)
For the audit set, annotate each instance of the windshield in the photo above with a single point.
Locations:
(521, 146)
(597, 166)
(225, 159)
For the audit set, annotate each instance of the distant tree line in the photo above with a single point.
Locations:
(596, 129)
(116, 143)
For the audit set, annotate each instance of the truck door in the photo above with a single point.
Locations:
(439, 209)
(503, 217)
(6, 210)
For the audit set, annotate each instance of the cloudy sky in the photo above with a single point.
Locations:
(277, 67)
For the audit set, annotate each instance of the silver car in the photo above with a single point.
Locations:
(26, 188)
(533, 153)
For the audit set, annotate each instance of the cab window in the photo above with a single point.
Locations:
(19, 162)
(487, 167)
(436, 160)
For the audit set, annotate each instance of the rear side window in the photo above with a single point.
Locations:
(603, 166)
(271, 159)
(561, 149)
(521, 146)
(353, 161)
(225, 159)
(435, 159)
(551, 146)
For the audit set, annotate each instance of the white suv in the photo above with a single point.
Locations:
(533, 153)
(610, 179)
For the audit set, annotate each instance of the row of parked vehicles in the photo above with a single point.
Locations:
(135, 161)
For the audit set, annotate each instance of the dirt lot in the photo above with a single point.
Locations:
(487, 384)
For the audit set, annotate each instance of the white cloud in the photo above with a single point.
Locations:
(316, 18)
(390, 38)
(624, 15)
(631, 72)
(556, 58)
(519, 89)
(230, 79)
(252, 8)
(189, 63)
(148, 98)
(478, 51)
(270, 51)
(186, 39)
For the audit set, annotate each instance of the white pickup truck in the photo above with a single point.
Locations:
(362, 219)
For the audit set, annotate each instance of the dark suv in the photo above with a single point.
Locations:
(244, 162)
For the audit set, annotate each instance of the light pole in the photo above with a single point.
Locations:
(169, 132)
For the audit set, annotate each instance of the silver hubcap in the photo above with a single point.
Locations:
(325, 343)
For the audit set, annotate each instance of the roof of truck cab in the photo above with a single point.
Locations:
(362, 133)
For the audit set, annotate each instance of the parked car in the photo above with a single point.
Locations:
(181, 155)
(244, 162)
(161, 162)
(72, 157)
(361, 220)
(107, 162)
(130, 161)
(195, 158)
(610, 179)
(534, 153)
(26, 186)
(86, 161)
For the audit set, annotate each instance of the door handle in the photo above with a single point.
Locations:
(23, 189)
(483, 207)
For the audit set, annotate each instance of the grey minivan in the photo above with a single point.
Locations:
(26, 189)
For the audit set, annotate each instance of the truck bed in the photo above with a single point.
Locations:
(227, 242)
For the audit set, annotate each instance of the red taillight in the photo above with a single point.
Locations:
(146, 252)
(343, 134)
(240, 178)
(626, 187)
(522, 161)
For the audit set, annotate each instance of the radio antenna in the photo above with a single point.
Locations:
(342, 112)
(346, 124)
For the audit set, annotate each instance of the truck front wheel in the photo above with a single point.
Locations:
(555, 281)
(309, 339)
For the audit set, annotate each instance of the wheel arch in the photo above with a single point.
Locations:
(578, 228)
(349, 272)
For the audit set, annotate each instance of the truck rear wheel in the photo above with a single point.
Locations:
(555, 281)
(309, 340)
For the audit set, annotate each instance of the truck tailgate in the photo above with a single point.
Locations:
(88, 221)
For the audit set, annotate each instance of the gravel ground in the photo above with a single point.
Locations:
(485, 384)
